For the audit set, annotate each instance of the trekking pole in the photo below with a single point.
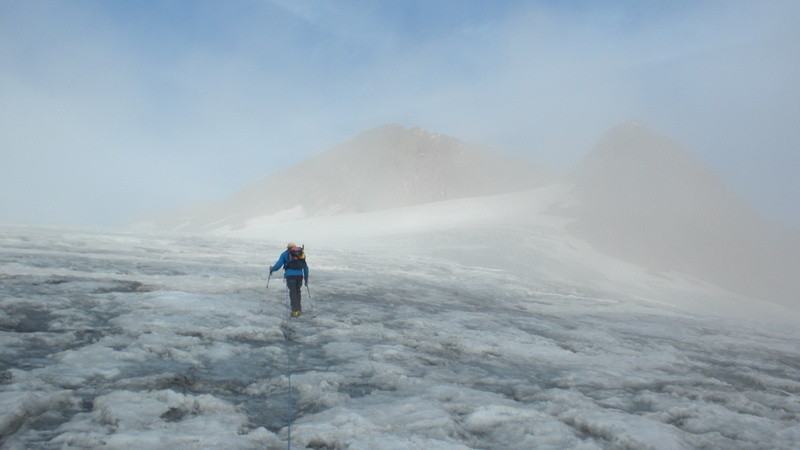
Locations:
(262, 304)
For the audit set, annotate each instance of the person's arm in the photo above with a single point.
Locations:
(305, 272)
(279, 264)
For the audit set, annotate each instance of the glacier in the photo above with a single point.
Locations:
(128, 339)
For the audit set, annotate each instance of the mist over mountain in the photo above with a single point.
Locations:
(383, 168)
(530, 318)
(637, 197)
(646, 200)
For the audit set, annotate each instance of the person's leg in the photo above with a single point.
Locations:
(294, 285)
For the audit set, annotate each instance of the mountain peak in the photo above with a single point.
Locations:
(396, 130)
(401, 146)
(387, 128)
(632, 151)
(633, 125)
(389, 166)
(646, 200)
(419, 132)
(635, 138)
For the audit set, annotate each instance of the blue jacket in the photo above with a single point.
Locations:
(282, 261)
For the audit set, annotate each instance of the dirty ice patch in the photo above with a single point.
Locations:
(19, 407)
(162, 419)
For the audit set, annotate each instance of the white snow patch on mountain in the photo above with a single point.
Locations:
(522, 233)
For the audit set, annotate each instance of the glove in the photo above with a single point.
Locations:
(306, 282)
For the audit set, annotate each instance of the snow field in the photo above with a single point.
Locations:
(132, 341)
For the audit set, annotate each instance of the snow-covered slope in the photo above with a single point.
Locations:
(454, 321)
(123, 340)
(383, 168)
(521, 233)
(637, 197)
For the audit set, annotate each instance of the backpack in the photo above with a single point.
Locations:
(297, 258)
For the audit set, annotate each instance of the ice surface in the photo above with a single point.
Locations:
(123, 340)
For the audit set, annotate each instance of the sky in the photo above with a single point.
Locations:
(115, 109)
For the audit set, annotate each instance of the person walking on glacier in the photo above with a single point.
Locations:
(295, 271)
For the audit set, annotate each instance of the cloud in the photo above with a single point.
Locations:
(203, 100)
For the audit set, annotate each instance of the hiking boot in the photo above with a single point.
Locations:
(295, 313)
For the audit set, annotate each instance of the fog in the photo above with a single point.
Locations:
(638, 196)
(528, 224)
(112, 110)
(646, 200)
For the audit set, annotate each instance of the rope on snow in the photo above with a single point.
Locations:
(289, 368)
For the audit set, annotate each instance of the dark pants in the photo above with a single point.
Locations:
(294, 283)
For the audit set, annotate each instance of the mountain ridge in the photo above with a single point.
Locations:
(637, 196)
(382, 168)
(648, 201)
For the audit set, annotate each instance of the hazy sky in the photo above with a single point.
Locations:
(112, 109)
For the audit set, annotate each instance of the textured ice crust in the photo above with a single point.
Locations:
(162, 419)
(116, 340)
